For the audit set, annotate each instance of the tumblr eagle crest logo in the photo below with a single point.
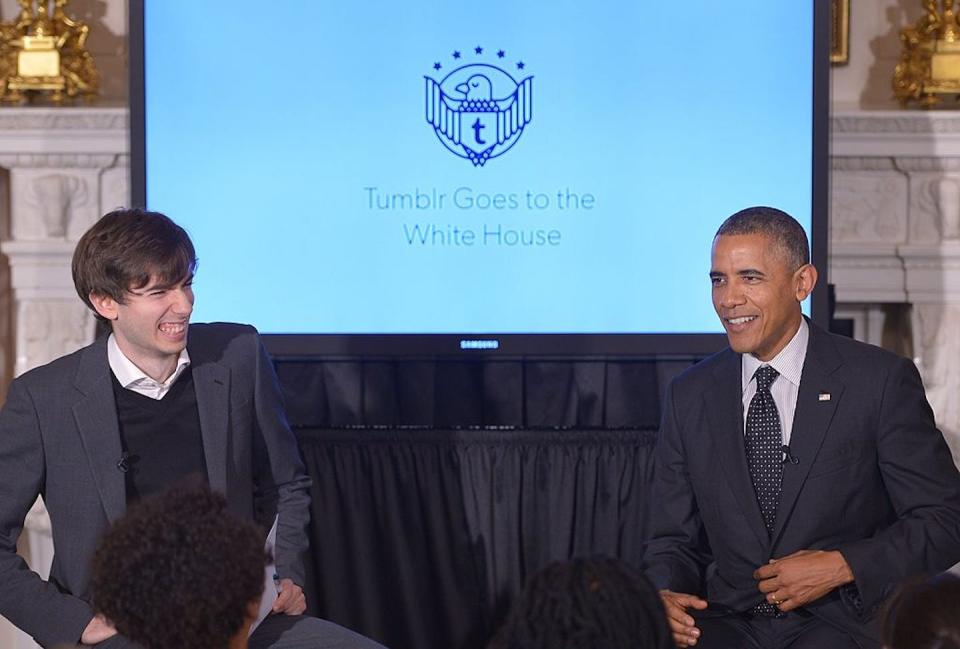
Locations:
(478, 110)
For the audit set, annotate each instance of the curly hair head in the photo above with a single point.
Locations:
(586, 604)
(178, 570)
(924, 615)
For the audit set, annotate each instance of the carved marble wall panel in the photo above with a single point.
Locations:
(66, 167)
(49, 329)
(868, 206)
(55, 203)
(115, 185)
(895, 236)
(934, 206)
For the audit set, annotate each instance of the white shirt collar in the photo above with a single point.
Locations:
(133, 378)
(788, 362)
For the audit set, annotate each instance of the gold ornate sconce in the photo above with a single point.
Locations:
(44, 55)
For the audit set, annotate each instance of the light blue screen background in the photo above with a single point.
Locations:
(264, 124)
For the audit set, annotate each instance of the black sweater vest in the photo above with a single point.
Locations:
(161, 440)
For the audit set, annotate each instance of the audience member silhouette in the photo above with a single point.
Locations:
(586, 604)
(179, 570)
(924, 615)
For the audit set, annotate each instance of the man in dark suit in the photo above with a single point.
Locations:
(799, 475)
(158, 402)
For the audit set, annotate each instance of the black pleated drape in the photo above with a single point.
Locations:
(421, 538)
(439, 486)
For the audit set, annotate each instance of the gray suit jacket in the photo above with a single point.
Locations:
(873, 479)
(59, 438)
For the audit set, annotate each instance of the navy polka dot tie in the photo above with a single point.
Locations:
(764, 445)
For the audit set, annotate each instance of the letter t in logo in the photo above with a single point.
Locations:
(477, 125)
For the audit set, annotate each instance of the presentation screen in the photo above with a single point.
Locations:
(520, 176)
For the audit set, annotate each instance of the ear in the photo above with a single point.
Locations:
(105, 305)
(805, 278)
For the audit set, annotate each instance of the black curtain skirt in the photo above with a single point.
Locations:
(421, 538)
(439, 485)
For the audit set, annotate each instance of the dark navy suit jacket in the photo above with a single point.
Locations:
(874, 479)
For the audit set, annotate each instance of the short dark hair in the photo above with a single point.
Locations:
(179, 570)
(924, 615)
(779, 227)
(586, 604)
(125, 249)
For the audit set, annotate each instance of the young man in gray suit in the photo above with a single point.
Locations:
(158, 402)
(799, 475)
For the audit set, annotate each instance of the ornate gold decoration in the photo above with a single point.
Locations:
(44, 55)
(839, 32)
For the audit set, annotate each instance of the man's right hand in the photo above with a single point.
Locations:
(98, 630)
(682, 625)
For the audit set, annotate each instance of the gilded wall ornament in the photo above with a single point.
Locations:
(44, 56)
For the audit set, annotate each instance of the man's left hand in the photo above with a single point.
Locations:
(290, 598)
(802, 577)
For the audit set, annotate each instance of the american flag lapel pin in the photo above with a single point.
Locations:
(824, 396)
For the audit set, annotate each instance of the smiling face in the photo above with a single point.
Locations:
(757, 294)
(150, 325)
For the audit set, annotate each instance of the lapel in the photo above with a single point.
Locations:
(811, 419)
(725, 413)
(96, 416)
(211, 380)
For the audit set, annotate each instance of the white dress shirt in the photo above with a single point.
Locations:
(133, 378)
(789, 363)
